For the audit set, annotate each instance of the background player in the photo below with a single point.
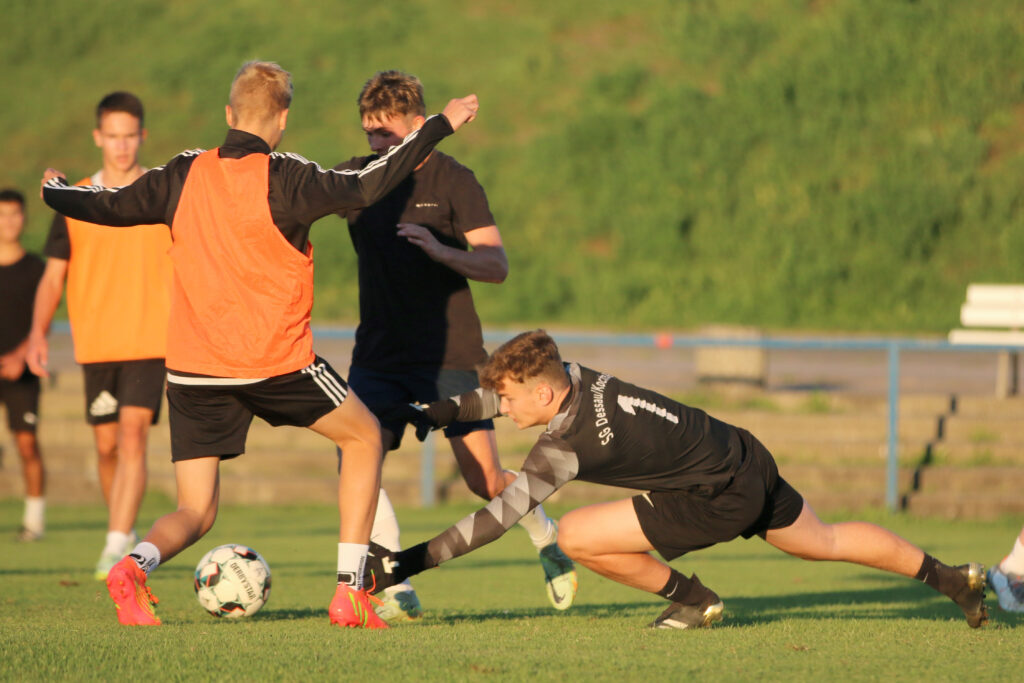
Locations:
(117, 282)
(239, 340)
(708, 482)
(1007, 578)
(419, 337)
(19, 388)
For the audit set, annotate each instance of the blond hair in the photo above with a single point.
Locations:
(391, 93)
(526, 356)
(260, 90)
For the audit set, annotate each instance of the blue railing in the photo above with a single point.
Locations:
(892, 346)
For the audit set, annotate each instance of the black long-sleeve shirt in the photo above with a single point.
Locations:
(299, 191)
(607, 432)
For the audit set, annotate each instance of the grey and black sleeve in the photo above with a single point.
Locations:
(549, 466)
(479, 404)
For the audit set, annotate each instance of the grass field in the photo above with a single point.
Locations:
(487, 615)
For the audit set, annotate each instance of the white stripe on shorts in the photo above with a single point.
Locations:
(326, 381)
(211, 381)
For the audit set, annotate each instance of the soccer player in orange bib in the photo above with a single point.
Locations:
(239, 341)
(118, 285)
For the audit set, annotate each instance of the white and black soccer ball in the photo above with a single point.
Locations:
(232, 581)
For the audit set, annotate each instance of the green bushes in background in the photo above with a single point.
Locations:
(818, 164)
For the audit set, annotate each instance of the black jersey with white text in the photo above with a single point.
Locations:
(606, 432)
(413, 311)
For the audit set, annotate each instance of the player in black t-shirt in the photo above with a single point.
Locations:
(19, 388)
(419, 337)
(708, 482)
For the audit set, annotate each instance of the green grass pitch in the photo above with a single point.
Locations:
(487, 616)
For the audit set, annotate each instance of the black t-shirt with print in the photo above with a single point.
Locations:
(413, 311)
(18, 282)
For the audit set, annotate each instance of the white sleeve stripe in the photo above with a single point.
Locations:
(374, 165)
(186, 153)
(56, 184)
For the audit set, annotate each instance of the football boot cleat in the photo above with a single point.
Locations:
(971, 598)
(560, 580)
(351, 608)
(399, 606)
(681, 616)
(1009, 588)
(135, 602)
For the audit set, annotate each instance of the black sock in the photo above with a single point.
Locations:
(941, 577)
(689, 591)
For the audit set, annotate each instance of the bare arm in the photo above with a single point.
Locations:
(48, 294)
(485, 262)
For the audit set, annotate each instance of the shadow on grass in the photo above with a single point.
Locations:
(270, 614)
(56, 527)
(898, 602)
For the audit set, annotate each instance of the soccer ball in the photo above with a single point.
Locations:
(232, 581)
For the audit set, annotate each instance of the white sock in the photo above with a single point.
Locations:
(117, 542)
(351, 560)
(385, 530)
(540, 527)
(35, 513)
(386, 533)
(1014, 562)
(146, 555)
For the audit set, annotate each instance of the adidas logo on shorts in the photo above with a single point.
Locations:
(104, 404)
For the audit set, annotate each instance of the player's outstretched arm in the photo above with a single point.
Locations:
(144, 202)
(316, 192)
(550, 465)
(479, 404)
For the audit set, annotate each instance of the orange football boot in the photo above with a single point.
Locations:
(126, 584)
(352, 608)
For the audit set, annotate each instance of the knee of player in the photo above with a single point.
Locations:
(571, 536)
(487, 487)
(107, 453)
(28, 445)
(208, 520)
(198, 517)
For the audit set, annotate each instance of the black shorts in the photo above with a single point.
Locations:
(381, 390)
(757, 499)
(211, 416)
(21, 398)
(108, 386)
